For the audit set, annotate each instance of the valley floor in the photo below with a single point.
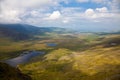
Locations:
(75, 57)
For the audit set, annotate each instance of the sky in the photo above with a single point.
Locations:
(74, 14)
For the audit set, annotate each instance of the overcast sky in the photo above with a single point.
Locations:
(62, 13)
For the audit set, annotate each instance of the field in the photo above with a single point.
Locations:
(84, 56)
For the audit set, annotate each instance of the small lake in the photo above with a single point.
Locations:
(51, 44)
(23, 58)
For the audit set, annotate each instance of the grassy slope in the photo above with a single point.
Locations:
(9, 47)
(9, 73)
(90, 61)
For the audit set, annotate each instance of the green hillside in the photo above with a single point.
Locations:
(76, 56)
(97, 61)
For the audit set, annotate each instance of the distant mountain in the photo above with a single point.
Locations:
(108, 33)
(14, 31)
(24, 31)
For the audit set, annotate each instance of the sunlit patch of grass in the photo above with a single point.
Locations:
(93, 61)
(56, 54)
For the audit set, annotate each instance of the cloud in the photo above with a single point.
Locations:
(90, 13)
(102, 10)
(65, 21)
(65, 13)
(100, 16)
(82, 1)
(99, 1)
(9, 16)
(115, 5)
(55, 15)
(94, 1)
(15, 10)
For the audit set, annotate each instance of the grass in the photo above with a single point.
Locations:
(8, 48)
(83, 66)
(64, 63)
(98, 62)
(76, 57)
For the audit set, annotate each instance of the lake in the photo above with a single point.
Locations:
(23, 58)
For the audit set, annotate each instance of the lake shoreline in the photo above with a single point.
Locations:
(23, 58)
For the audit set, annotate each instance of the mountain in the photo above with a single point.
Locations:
(24, 31)
(10, 73)
(17, 31)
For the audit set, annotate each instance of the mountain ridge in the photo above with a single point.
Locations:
(24, 31)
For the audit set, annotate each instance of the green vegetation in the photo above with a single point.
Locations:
(90, 61)
(76, 57)
(98, 62)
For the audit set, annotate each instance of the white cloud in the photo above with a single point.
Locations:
(98, 13)
(103, 2)
(94, 1)
(34, 13)
(82, 1)
(55, 15)
(10, 16)
(115, 5)
(98, 1)
(102, 10)
(52, 13)
(90, 13)
(13, 11)
(65, 21)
